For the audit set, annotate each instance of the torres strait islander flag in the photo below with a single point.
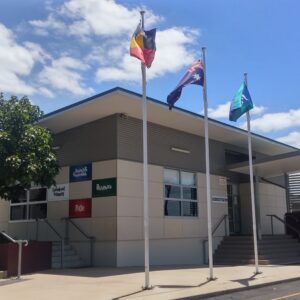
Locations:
(241, 103)
(142, 45)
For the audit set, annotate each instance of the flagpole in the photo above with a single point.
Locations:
(208, 188)
(252, 188)
(145, 172)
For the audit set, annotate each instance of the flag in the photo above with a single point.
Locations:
(142, 45)
(241, 103)
(194, 75)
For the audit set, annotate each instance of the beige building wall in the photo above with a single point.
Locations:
(101, 225)
(272, 200)
(173, 240)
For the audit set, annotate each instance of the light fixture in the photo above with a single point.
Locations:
(180, 150)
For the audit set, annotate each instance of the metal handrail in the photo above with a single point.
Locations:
(285, 223)
(221, 220)
(91, 238)
(19, 242)
(59, 236)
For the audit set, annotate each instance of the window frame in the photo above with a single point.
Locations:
(181, 199)
(28, 203)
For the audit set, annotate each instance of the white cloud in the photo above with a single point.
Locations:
(276, 121)
(16, 61)
(63, 74)
(93, 17)
(42, 27)
(293, 139)
(103, 17)
(125, 68)
(222, 111)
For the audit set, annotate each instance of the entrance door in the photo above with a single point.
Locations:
(234, 213)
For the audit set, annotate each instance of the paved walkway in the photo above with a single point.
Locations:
(126, 283)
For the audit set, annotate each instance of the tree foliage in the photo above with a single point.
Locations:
(26, 155)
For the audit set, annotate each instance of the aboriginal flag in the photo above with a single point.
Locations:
(142, 45)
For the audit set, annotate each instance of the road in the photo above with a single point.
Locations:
(281, 291)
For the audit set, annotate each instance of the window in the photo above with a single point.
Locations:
(180, 193)
(30, 205)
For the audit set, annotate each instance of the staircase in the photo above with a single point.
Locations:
(70, 259)
(272, 249)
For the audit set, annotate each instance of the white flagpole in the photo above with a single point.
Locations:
(252, 188)
(208, 189)
(145, 172)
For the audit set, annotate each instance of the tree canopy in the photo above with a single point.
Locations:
(26, 154)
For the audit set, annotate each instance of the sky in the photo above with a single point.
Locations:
(58, 52)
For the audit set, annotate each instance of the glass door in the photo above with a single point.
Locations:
(234, 214)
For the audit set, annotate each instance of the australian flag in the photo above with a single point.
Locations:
(194, 75)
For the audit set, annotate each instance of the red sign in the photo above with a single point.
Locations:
(80, 208)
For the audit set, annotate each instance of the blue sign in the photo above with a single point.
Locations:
(80, 172)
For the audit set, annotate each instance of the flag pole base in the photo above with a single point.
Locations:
(145, 288)
(211, 278)
(257, 272)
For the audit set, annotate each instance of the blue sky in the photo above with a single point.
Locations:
(59, 52)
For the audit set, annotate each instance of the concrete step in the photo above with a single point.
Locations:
(238, 250)
(3, 274)
(262, 251)
(237, 262)
(70, 259)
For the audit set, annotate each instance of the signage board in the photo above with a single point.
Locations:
(219, 199)
(80, 172)
(80, 208)
(105, 187)
(58, 192)
(222, 180)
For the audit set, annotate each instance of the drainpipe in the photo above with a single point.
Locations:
(257, 205)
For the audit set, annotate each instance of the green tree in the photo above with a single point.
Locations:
(26, 154)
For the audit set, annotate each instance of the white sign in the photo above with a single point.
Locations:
(58, 192)
(222, 180)
(219, 199)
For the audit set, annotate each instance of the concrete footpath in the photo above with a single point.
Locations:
(126, 283)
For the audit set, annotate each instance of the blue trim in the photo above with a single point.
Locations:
(119, 89)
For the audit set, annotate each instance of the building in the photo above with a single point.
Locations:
(99, 147)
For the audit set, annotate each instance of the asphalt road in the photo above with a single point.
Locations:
(281, 291)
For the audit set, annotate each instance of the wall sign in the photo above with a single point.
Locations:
(58, 192)
(80, 208)
(219, 199)
(222, 180)
(105, 187)
(80, 172)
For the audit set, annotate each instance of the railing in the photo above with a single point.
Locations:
(57, 234)
(90, 238)
(283, 222)
(19, 242)
(221, 220)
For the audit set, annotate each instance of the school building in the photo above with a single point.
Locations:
(96, 208)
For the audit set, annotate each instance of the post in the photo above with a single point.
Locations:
(19, 258)
(208, 189)
(92, 244)
(37, 229)
(145, 172)
(252, 189)
(62, 253)
(272, 228)
(66, 230)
